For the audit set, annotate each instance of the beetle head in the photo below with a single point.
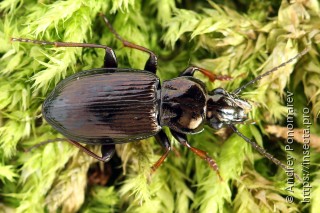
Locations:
(225, 108)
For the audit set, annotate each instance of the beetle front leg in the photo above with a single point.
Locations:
(163, 140)
(182, 139)
(191, 70)
(151, 64)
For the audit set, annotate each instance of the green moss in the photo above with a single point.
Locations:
(237, 38)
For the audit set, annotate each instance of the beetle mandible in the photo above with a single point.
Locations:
(110, 105)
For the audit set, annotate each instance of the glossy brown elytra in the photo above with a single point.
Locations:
(110, 105)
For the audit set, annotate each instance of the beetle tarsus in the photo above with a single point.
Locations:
(160, 161)
(90, 153)
(26, 40)
(45, 142)
(110, 60)
(213, 164)
(106, 150)
(163, 140)
(204, 155)
(182, 139)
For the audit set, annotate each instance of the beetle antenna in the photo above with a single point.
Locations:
(237, 91)
(263, 152)
(44, 143)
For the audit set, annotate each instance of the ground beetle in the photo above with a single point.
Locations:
(111, 105)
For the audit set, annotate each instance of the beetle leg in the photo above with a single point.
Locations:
(163, 140)
(110, 60)
(106, 155)
(190, 72)
(44, 143)
(108, 151)
(151, 64)
(182, 138)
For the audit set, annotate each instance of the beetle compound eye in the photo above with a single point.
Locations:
(218, 91)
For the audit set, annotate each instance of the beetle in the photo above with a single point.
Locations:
(110, 105)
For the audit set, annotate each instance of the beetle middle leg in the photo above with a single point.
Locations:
(191, 70)
(182, 139)
(163, 140)
(151, 64)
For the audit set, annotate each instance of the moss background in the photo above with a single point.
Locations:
(238, 38)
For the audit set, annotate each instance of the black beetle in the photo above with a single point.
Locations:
(111, 105)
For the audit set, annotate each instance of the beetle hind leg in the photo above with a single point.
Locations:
(151, 64)
(106, 150)
(110, 60)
